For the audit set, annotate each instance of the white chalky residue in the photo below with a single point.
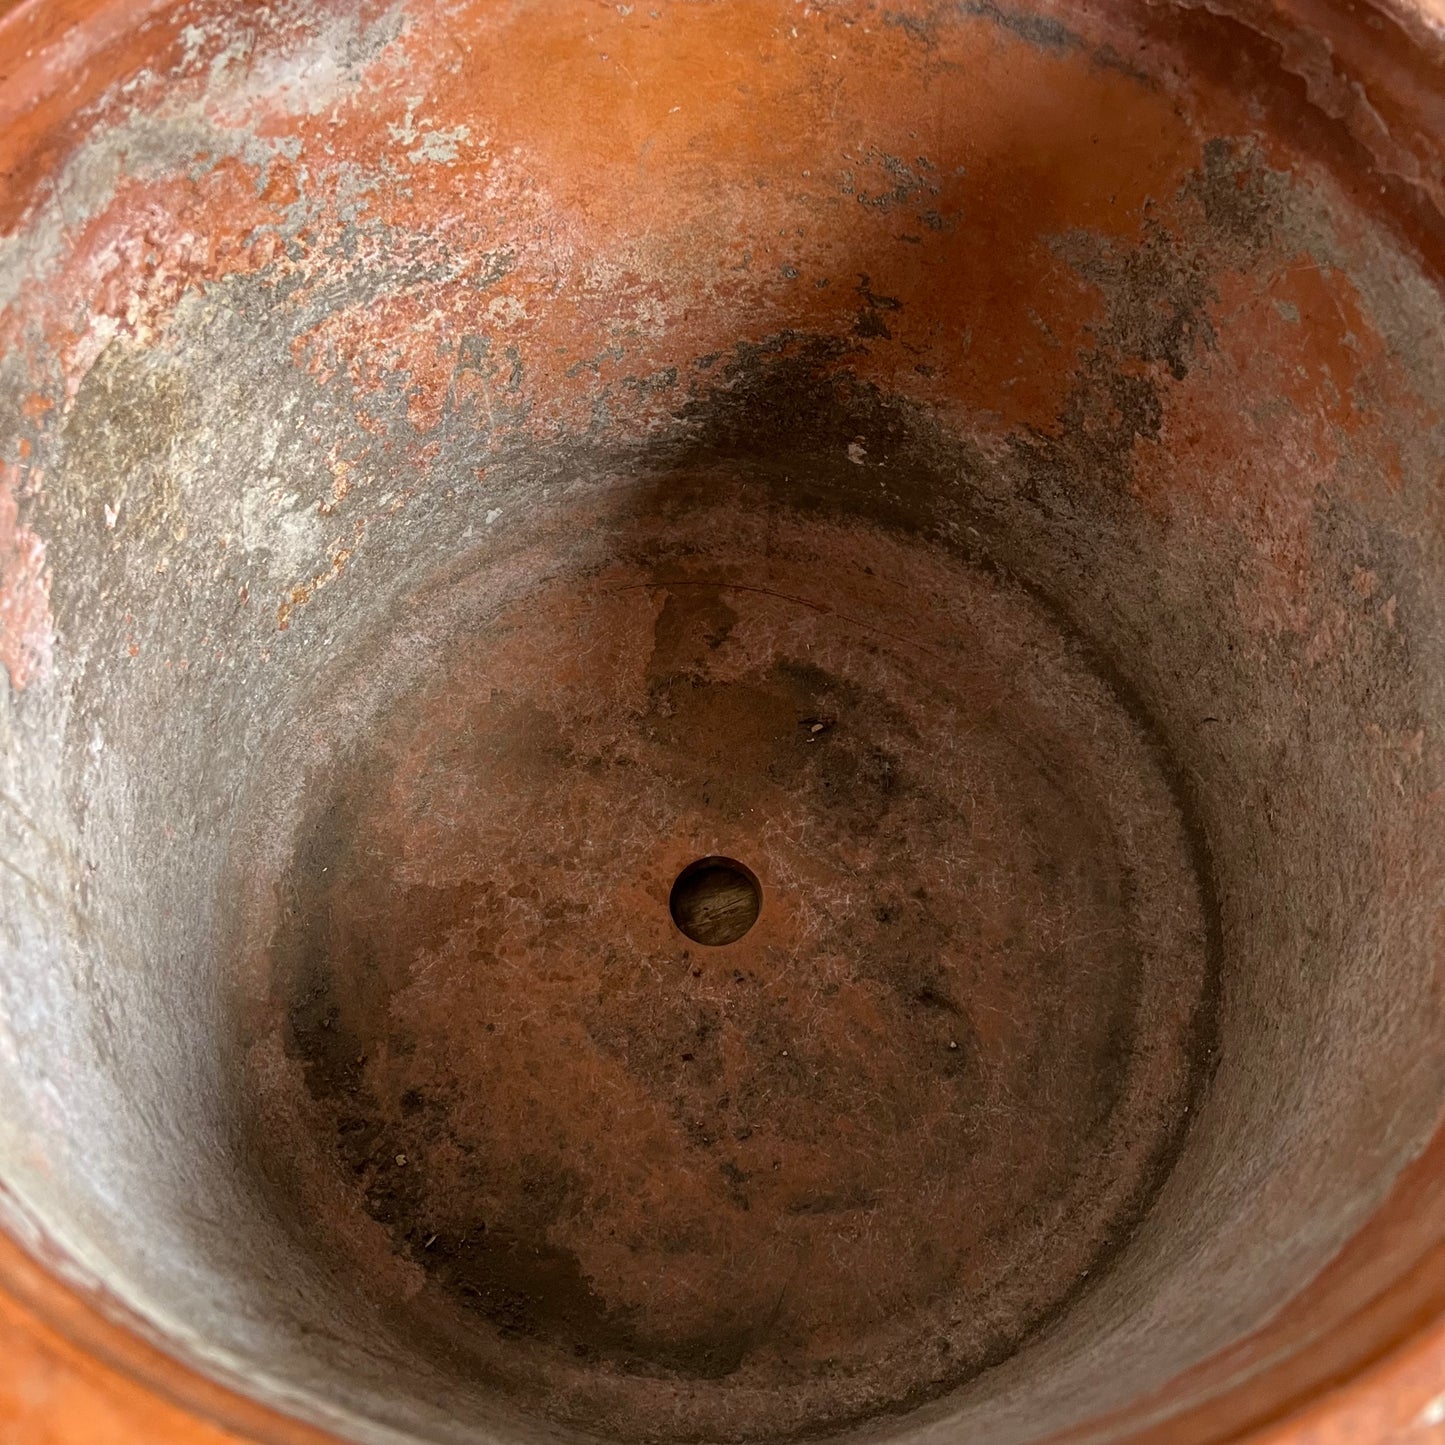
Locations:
(272, 521)
(505, 311)
(321, 72)
(192, 38)
(440, 146)
(405, 131)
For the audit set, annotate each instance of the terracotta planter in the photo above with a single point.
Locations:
(722, 722)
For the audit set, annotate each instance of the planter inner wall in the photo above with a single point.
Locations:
(459, 466)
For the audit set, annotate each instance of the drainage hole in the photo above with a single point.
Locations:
(716, 900)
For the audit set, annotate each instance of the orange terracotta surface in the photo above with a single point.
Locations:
(69, 1375)
(685, 119)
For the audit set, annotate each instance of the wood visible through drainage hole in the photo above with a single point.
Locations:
(716, 900)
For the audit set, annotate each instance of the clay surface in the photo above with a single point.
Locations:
(978, 466)
(841, 1164)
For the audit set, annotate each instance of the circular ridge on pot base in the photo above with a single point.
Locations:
(879, 1136)
(976, 469)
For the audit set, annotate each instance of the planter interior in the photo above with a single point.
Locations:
(976, 470)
